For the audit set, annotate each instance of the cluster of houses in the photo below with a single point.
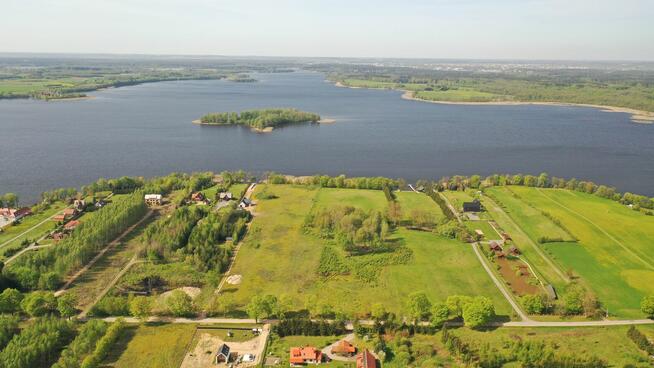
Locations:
(499, 251)
(9, 215)
(301, 356)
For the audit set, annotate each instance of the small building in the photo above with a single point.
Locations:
(506, 237)
(495, 247)
(153, 199)
(60, 217)
(12, 214)
(225, 196)
(65, 215)
(79, 204)
(245, 203)
(58, 236)
(306, 355)
(365, 359)
(100, 203)
(474, 206)
(22, 212)
(223, 354)
(514, 251)
(71, 225)
(344, 348)
(551, 292)
(479, 232)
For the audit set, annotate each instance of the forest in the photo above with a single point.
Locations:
(260, 119)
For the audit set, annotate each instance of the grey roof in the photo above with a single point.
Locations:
(224, 351)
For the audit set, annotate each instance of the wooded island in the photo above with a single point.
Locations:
(260, 119)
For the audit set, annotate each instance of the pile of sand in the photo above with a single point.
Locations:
(234, 279)
(193, 292)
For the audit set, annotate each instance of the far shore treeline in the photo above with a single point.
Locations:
(260, 119)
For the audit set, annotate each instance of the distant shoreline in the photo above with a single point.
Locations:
(637, 116)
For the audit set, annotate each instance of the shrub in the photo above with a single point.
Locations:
(179, 303)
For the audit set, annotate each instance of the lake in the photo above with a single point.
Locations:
(146, 130)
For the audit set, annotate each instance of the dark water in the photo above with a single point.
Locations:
(146, 130)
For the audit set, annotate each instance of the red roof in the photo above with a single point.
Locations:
(366, 360)
(197, 196)
(69, 211)
(305, 354)
(25, 211)
(344, 347)
(70, 225)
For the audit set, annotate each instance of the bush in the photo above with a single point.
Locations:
(112, 306)
(39, 303)
(179, 303)
(10, 300)
(534, 304)
(647, 306)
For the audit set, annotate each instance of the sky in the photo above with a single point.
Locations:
(477, 29)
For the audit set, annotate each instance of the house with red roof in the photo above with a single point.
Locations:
(365, 359)
(305, 355)
(71, 225)
(344, 348)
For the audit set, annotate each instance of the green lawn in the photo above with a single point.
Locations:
(278, 258)
(616, 261)
(151, 346)
(366, 200)
(457, 198)
(489, 233)
(410, 201)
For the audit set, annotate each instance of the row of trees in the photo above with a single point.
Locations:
(575, 300)
(164, 237)
(37, 303)
(341, 181)
(45, 269)
(260, 118)
(357, 231)
(84, 343)
(475, 311)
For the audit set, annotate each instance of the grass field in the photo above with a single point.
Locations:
(484, 226)
(608, 343)
(151, 346)
(278, 258)
(459, 95)
(531, 220)
(616, 261)
(366, 200)
(410, 201)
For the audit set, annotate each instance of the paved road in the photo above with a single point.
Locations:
(530, 323)
(102, 252)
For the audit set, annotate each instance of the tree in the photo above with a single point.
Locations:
(256, 308)
(573, 299)
(479, 312)
(394, 212)
(10, 300)
(533, 303)
(455, 304)
(10, 200)
(140, 307)
(39, 303)
(179, 303)
(439, 314)
(378, 312)
(647, 306)
(66, 305)
(418, 305)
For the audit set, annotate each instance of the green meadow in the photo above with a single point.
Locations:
(278, 257)
(412, 201)
(615, 261)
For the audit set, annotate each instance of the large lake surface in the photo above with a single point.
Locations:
(146, 130)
